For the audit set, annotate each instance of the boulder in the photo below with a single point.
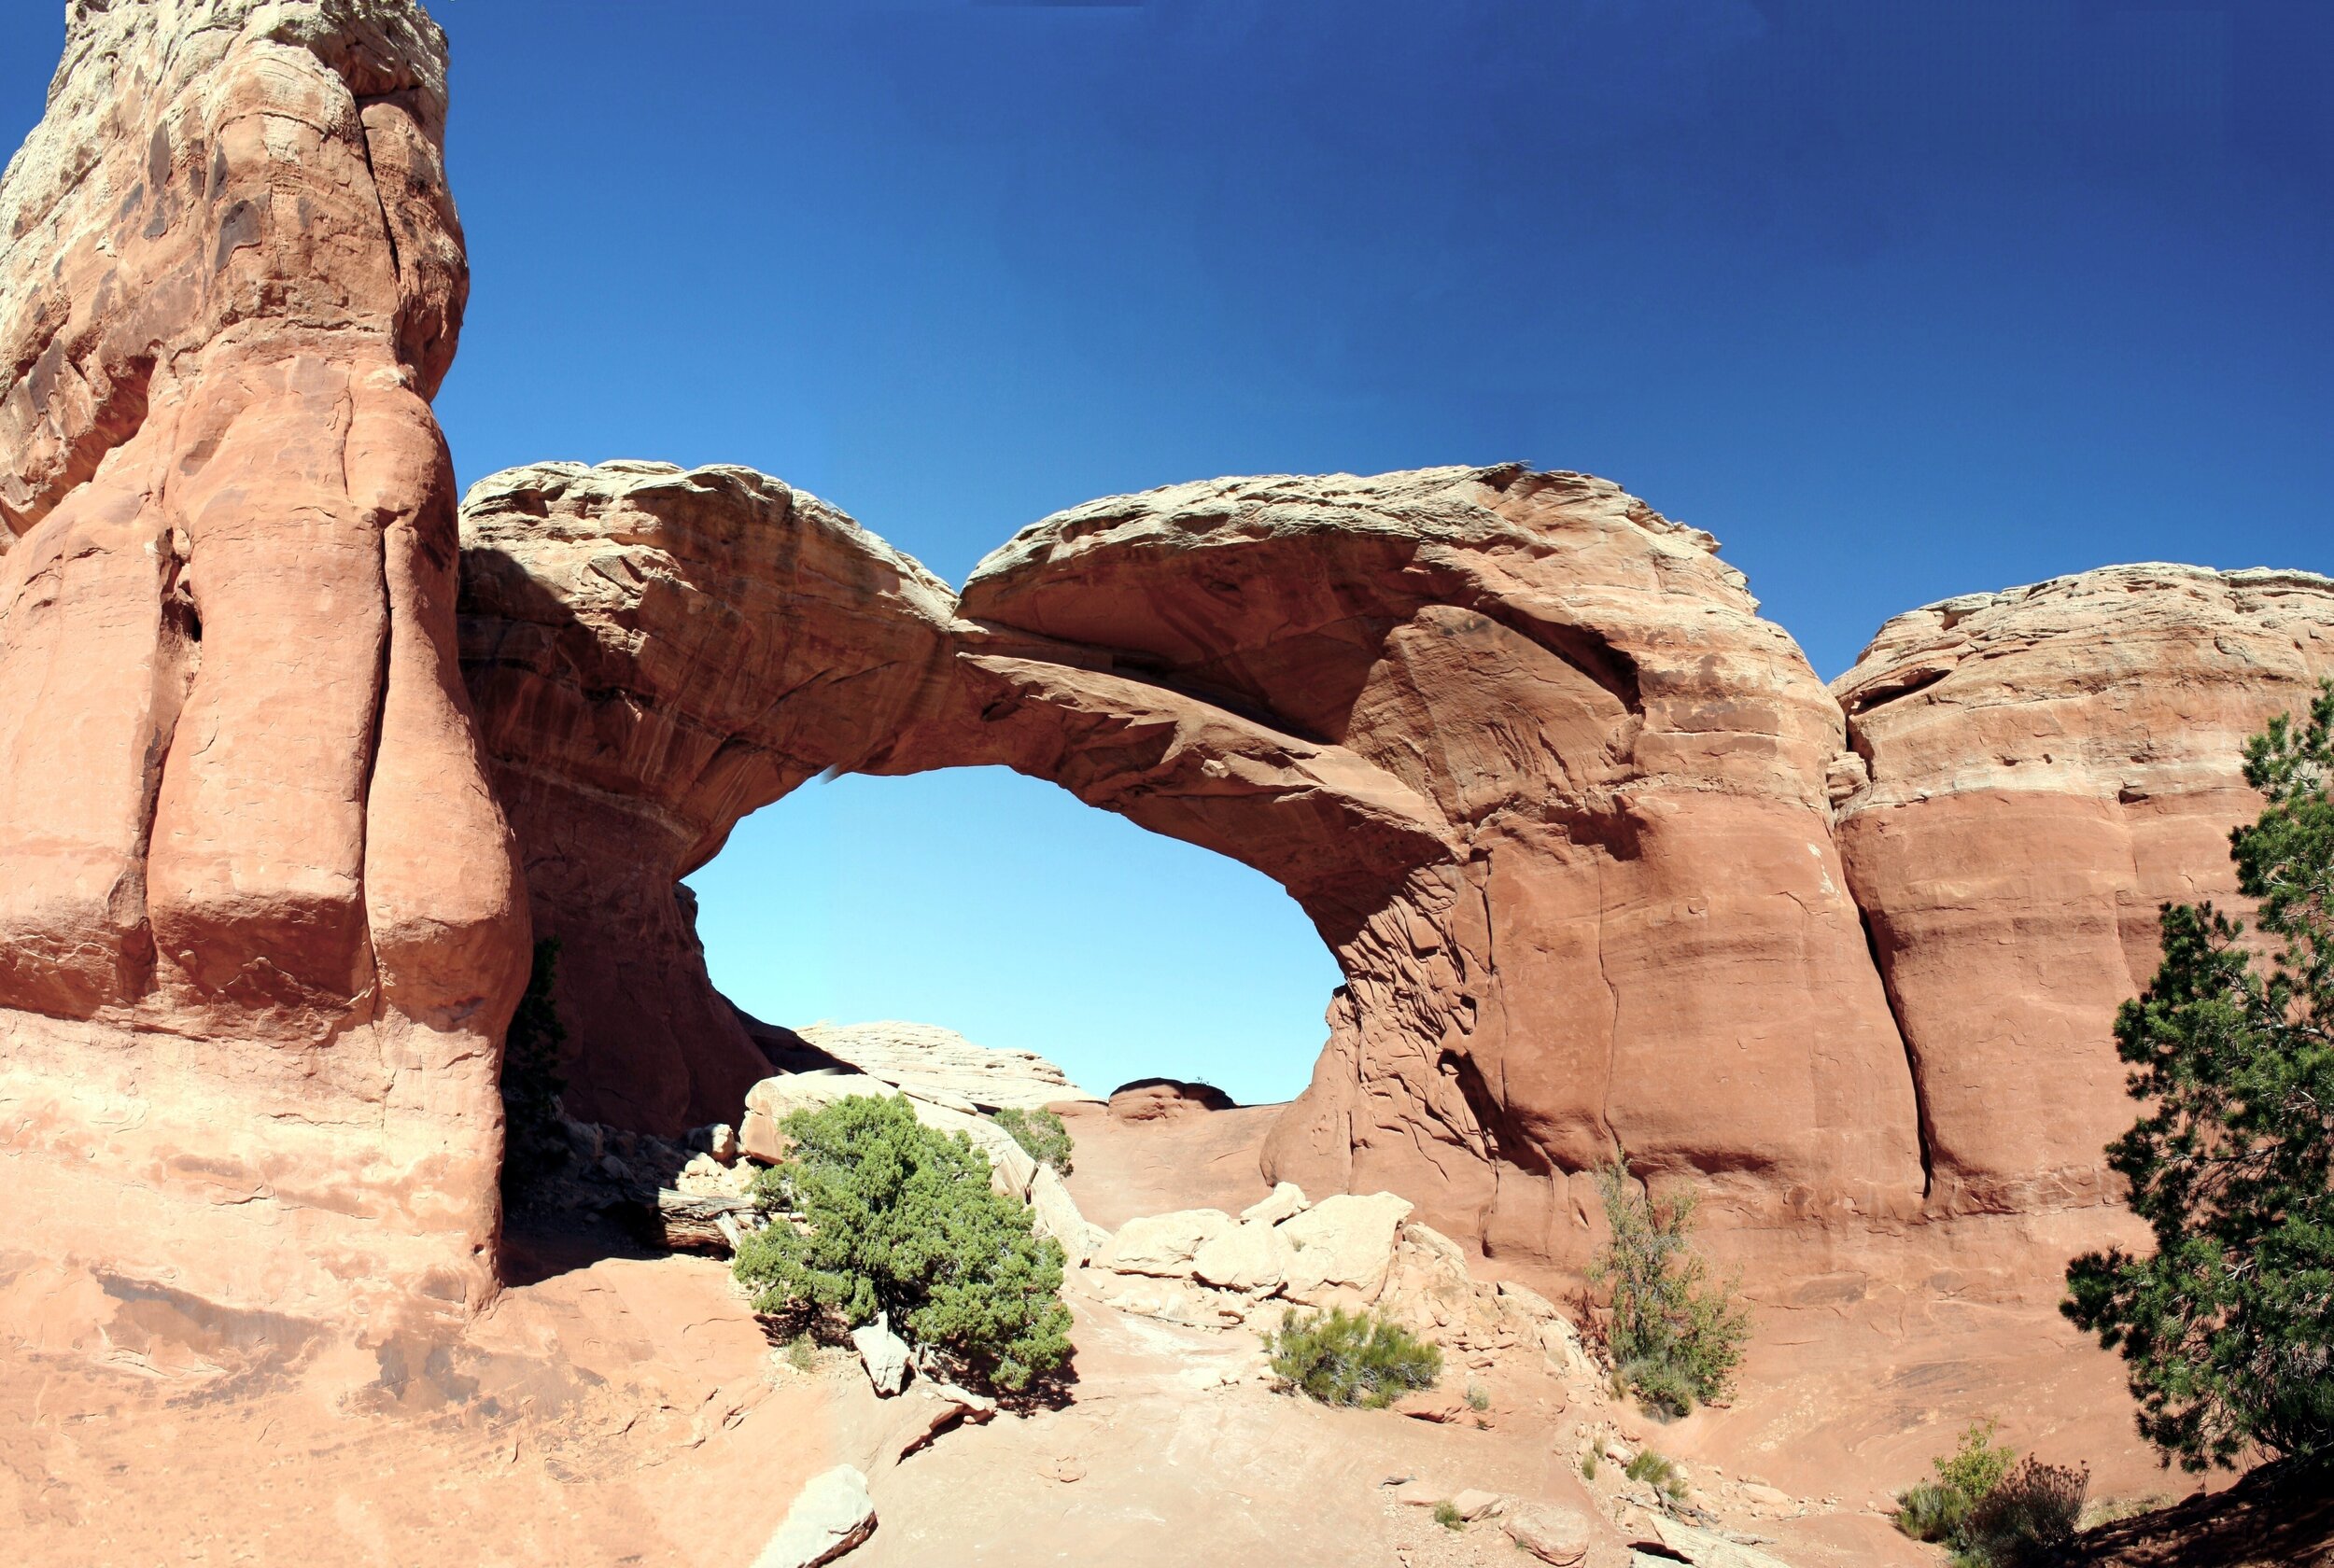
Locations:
(1054, 1213)
(944, 1066)
(833, 1515)
(1164, 1245)
(1706, 1549)
(884, 1355)
(2047, 766)
(1342, 1248)
(1472, 1504)
(1251, 1257)
(771, 1100)
(1556, 1535)
(1285, 1202)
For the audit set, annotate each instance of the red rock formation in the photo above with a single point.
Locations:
(1546, 784)
(2047, 765)
(259, 929)
(654, 654)
(1549, 789)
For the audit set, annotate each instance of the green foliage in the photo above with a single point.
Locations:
(1977, 1464)
(1931, 1512)
(2228, 1328)
(1677, 1335)
(1342, 1358)
(801, 1354)
(1040, 1134)
(1477, 1397)
(1657, 1472)
(2027, 1516)
(1447, 1515)
(1993, 1509)
(534, 1145)
(899, 1219)
(1588, 1465)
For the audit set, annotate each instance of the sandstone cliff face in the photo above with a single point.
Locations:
(2047, 767)
(1549, 787)
(259, 927)
(656, 654)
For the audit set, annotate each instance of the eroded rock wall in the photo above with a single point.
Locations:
(656, 653)
(259, 918)
(2047, 765)
(1523, 749)
(1548, 787)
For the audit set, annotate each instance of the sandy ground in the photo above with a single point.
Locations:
(615, 1409)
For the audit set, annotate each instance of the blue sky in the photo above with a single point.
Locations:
(1899, 301)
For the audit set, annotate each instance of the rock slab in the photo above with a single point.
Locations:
(833, 1516)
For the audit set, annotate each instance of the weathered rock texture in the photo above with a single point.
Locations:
(942, 1064)
(2047, 765)
(1524, 751)
(654, 654)
(259, 927)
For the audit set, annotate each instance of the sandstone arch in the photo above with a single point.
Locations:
(1521, 747)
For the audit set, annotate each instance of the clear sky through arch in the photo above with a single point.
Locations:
(1899, 301)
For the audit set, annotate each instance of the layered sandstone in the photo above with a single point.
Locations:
(258, 924)
(654, 653)
(1547, 785)
(2047, 765)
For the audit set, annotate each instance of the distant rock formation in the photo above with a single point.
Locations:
(2047, 766)
(259, 927)
(942, 1064)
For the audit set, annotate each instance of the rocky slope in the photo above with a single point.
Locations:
(259, 910)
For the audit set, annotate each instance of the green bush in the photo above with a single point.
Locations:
(1446, 1514)
(1991, 1509)
(533, 1144)
(2224, 1325)
(1657, 1472)
(2028, 1515)
(1342, 1358)
(1040, 1134)
(874, 1212)
(1931, 1512)
(1676, 1335)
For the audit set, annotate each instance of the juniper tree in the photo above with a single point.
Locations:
(2229, 1327)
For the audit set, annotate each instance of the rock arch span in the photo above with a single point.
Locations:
(1546, 785)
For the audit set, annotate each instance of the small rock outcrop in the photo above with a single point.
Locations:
(833, 1516)
(942, 1064)
(2045, 766)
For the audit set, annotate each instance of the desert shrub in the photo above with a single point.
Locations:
(1657, 1472)
(1446, 1514)
(1351, 1358)
(1931, 1512)
(2027, 1516)
(1477, 1397)
(895, 1218)
(1676, 1335)
(533, 1144)
(1588, 1465)
(801, 1354)
(1940, 1510)
(2225, 1327)
(1040, 1134)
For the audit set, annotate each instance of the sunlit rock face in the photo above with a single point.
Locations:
(1547, 786)
(259, 925)
(2047, 765)
(656, 653)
